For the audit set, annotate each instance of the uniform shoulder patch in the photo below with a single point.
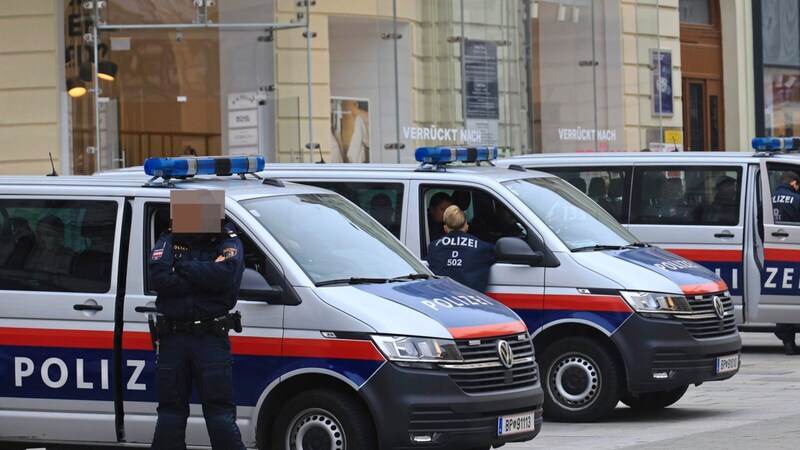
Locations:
(230, 252)
(157, 254)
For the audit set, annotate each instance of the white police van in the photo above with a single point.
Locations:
(722, 217)
(348, 341)
(612, 318)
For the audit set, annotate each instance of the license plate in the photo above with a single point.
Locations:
(727, 363)
(519, 423)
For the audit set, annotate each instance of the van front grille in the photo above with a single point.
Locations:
(704, 322)
(482, 370)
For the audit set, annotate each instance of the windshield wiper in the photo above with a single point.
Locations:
(593, 248)
(640, 244)
(413, 276)
(352, 280)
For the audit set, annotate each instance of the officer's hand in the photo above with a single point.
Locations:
(220, 258)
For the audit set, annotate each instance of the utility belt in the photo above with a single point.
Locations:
(219, 325)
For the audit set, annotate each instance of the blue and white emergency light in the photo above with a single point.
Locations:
(444, 155)
(204, 165)
(773, 144)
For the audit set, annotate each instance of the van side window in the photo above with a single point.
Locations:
(158, 221)
(488, 218)
(57, 245)
(782, 193)
(686, 195)
(382, 201)
(609, 187)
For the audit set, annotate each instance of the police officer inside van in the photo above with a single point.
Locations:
(196, 269)
(786, 208)
(460, 255)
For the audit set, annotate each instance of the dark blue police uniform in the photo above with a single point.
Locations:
(462, 257)
(786, 208)
(786, 204)
(194, 293)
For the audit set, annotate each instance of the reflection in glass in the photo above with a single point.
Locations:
(330, 238)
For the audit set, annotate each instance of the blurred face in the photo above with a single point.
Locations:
(48, 237)
(437, 212)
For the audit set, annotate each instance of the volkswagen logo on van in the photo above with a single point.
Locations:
(719, 308)
(505, 354)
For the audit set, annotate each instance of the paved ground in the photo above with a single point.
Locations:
(758, 408)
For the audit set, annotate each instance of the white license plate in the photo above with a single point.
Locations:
(519, 423)
(727, 363)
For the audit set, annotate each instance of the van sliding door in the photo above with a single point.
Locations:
(779, 301)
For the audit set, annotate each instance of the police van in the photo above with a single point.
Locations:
(349, 342)
(714, 208)
(612, 318)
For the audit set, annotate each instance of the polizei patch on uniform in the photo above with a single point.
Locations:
(229, 252)
(157, 254)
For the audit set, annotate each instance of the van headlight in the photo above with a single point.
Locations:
(409, 351)
(652, 302)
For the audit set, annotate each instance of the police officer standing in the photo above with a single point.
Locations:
(459, 255)
(196, 269)
(786, 208)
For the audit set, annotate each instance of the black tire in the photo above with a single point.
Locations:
(581, 379)
(650, 401)
(324, 419)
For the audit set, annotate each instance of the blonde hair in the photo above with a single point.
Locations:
(454, 217)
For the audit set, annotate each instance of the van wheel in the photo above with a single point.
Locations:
(323, 419)
(654, 400)
(582, 381)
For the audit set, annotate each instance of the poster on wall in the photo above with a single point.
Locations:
(349, 130)
(661, 64)
(481, 91)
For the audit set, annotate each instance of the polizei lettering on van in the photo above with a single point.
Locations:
(455, 301)
(677, 264)
(55, 373)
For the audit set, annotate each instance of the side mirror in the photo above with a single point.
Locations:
(254, 287)
(514, 250)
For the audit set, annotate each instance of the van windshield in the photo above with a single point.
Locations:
(577, 220)
(331, 239)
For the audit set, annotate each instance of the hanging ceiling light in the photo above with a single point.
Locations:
(76, 87)
(107, 70)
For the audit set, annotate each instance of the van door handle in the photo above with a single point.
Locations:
(146, 309)
(724, 234)
(85, 307)
(780, 234)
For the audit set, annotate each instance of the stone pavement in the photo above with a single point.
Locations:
(758, 408)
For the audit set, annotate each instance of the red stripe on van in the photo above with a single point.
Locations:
(43, 337)
(608, 303)
(705, 288)
(497, 329)
(781, 254)
(518, 301)
(708, 255)
(331, 348)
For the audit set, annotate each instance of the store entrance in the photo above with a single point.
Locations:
(701, 66)
(170, 79)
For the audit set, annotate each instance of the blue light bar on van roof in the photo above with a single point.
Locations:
(443, 155)
(772, 144)
(204, 165)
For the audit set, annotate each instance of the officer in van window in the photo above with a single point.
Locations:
(196, 268)
(49, 253)
(439, 203)
(786, 200)
(786, 208)
(460, 255)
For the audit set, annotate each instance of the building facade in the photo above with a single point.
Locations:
(371, 80)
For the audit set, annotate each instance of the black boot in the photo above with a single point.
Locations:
(790, 348)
